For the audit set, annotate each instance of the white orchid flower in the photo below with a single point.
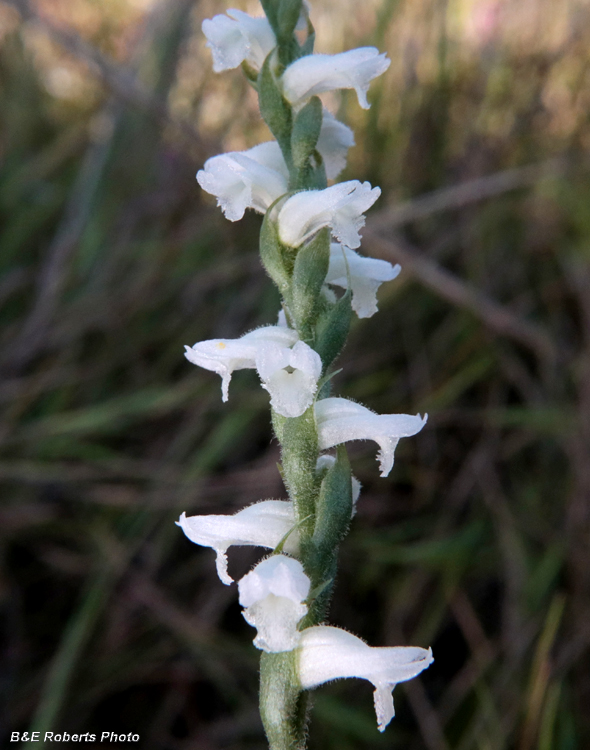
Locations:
(223, 356)
(237, 38)
(340, 207)
(290, 376)
(366, 276)
(326, 461)
(333, 144)
(274, 594)
(246, 179)
(340, 420)
(315, 74)
(262, 524)
(327, 653)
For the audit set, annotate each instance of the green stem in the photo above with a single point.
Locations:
(299, 449)
(283, 707)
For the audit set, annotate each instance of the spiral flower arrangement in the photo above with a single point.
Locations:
(308, 242)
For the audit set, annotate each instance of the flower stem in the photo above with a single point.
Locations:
(283, 706)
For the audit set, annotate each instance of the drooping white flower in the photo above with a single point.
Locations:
(262, 524)
(246, 179)
(326, 461)
(315, 74)
(333, 144)
(237, 38)
(223, 356)
(274, 594)
(327, 653)
(340, 420)
(340, 207)
(366, 276)
(289, 375)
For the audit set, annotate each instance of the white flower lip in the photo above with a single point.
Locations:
(339, 206)
(366, 276)
(315, 74)
(263, 524)
(327, 653)
(290, 376)
(273, 594)
(223, 356)
(237, 38)
(246, 179)
(340, 420)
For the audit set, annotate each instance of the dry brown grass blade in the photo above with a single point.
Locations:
(469, 191)
(121, 80)
(449, 287)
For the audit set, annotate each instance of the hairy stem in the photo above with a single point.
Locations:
(283, 707)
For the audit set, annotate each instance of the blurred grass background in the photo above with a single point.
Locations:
(111, 259)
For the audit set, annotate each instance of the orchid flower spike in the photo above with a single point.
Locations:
(274, 594)
(327, 653)
(290, 376)
(315, 74)
(246, 179)
(340, 420)
(340, 207)
(237, 38)
(333, 144)
(223, 356)
(366, 276)
(262, 524)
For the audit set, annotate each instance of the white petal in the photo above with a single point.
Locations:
(291, 391)
(245, 179)
(263, 524)
(366, 275)
(279, 575)
(340, 420)
(327, 653)
(340, 207)
(273, 594)
(304, 358)
(237, 39)
(223, 356)
(268, 154)
(333, 144)
(314, 74)
(271, 358)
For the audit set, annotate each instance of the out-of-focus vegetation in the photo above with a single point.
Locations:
(111, 259)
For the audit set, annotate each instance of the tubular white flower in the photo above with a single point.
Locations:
(340, 206)
(327, 653)
(238, 38)
(326, 461)
(290, 376)
(333, 144)
(262, 524)
(223, 356)
(246, 179)
(273, 594)
(340, 420)
(366, 276)
(315, 74)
